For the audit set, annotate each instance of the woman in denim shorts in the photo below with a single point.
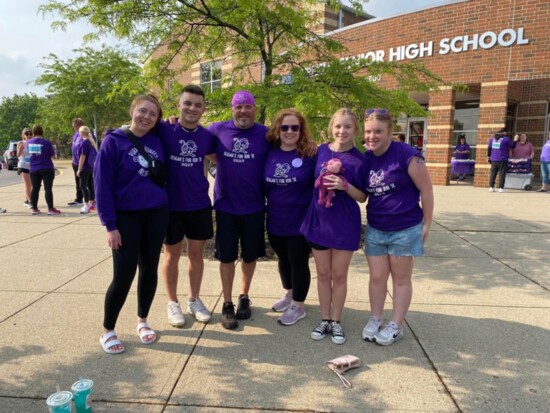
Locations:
(399, 217)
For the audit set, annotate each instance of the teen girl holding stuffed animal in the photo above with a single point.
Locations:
(334, 231)
(397, 223)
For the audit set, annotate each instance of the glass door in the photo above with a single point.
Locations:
(416, 133)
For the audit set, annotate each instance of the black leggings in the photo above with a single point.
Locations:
(84, 181)
(46, 175)
(142, 233)
(293, 256)
(79, 194)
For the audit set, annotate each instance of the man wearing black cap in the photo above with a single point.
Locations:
(498, 152)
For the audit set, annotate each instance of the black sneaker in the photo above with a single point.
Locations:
(243, 308)
(76, 202)
(228, 316)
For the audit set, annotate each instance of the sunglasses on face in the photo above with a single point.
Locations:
(377, 112)
(293, 128)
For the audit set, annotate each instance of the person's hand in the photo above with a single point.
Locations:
(172, 120)
(114, 240)
(425, 231)
(78, 173)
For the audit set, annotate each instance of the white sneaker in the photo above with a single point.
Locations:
(502, 190)
(175, 315)
(388, 335)
(85, 209)
(198, 309)
(372, 327)
(491, 189)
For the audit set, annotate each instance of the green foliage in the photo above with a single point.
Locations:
(17, 112)
(97, 86)
(276, 36)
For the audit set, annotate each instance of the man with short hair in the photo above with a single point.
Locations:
(239, 201)
(186, 143)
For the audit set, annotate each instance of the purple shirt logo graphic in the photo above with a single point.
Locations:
(188, 148)
(240, 145)
(282, 170)
(376, 178)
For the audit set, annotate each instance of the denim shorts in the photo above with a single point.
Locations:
(405, 243)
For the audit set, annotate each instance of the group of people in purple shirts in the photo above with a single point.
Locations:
(264, 180)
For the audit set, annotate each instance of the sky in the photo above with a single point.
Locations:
(27, 38)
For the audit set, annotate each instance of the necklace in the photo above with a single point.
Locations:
(188, 130)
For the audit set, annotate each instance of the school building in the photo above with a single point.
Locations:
(500, 49)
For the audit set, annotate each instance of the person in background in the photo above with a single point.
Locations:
(498, 152)
(75, 143)
(397, 225)
(23, 164)
(41, 169)
(134, 211)
(333, 231)
(87, 153)
(524, 149)
(545, 165)
(186, 144)
(288, 179)
(239, 201)
(462, 151)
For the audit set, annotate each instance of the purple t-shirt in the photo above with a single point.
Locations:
(41, 153)
(185, 151)
(545, 152)
(121, 177)
(339, 226)
(77, 140)
(393, 202)
(288, 186)
(500, 148)
(464, 147)
(241, 154)
(85, 148)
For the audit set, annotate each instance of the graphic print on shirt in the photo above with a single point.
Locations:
(136, 157)
(188, 154)
(376, 183)
(35, 148)
(240, 151)
(281, 175)
(495, 145)
(281, 171)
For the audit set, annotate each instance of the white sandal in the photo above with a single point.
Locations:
(108, 345)
(147, 332)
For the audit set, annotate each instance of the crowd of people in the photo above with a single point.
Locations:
(267, 179)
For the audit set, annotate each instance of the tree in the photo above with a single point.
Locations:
(276, 35)
(97, 86)
(17, 112)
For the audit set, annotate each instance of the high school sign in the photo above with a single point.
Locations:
(458, 44)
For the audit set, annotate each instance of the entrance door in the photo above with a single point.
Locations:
(416, 133)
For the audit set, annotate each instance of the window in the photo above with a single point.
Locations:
(211, 75)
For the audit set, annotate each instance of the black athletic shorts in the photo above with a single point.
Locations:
(195, 225)
(249, 229)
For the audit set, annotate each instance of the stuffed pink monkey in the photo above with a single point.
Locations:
(331, 167)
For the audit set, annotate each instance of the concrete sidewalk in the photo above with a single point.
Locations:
(476, 338)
